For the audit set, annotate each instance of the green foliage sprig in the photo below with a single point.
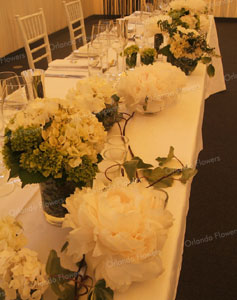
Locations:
(71, 285)
(161, 176)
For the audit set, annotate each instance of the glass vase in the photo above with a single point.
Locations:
(53, 197)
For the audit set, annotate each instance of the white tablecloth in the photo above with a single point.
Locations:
(150, 136)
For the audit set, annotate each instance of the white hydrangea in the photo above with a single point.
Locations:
(195, 6)
(77, 135)
(22, 272)
(91, 94)
(121, 229)
(11, 234)
(152, 82)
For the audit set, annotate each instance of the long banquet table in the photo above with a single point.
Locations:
(150, 136)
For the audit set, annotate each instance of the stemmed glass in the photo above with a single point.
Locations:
(119, 40)
(14, 98)
(5, 187)
(100, 42)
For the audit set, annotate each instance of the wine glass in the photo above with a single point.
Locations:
(118, 41)
(5, 187)
(14, 98)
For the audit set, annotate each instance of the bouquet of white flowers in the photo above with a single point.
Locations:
(147, 89)
(121, 230)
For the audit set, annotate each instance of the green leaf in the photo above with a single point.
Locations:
(59, 277)
(157, 174)
(30, 178)
(131, 168)
(164, 160)
(206, 60)
(187, 173)
(100, 292)
(64, 247)
(141, 164)
(115, 98)
(48, 124)
(165, 50)
(211, 70)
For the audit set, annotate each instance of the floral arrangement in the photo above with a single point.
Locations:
(117, 231)
(131, 55)
(53, 139)
(186, 47)
(22, 275)
(98, 96)
(148, 89)
(190, 14)
(125, 226)
(147, 55)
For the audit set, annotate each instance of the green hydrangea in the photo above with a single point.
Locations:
(46, 160)
(84, 173)
(24, 139)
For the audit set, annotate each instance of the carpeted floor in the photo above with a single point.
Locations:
(209, 260)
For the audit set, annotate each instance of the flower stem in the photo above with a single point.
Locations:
(166, 176)
(107, 177)
(179, 161)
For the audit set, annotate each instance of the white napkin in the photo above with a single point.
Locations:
(69, 64)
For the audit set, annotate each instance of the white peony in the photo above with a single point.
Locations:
(195, 6)
(153, 83)
(22, 272)
(11, 234)
(121, 229)
(91, 94)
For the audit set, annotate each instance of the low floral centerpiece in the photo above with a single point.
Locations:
(147, 89)
(131, 55)
(190, 14)
(98, 96)
(120, 229)
(186, 47)
(22, 275)
(54, 143)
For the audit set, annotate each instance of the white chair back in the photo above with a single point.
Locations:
(33, 29)
(75, 22)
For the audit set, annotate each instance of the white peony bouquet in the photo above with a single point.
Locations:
(22, 275)
(121, 229)
(92, 94)
(98, 96)
(147, 89)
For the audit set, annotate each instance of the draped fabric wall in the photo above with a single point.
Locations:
(220, 8)
(223, 8)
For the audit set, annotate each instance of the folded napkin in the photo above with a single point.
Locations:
(14, 203)
(69, 63)
(81, 52)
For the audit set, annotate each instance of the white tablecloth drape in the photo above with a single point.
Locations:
(150, 136)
